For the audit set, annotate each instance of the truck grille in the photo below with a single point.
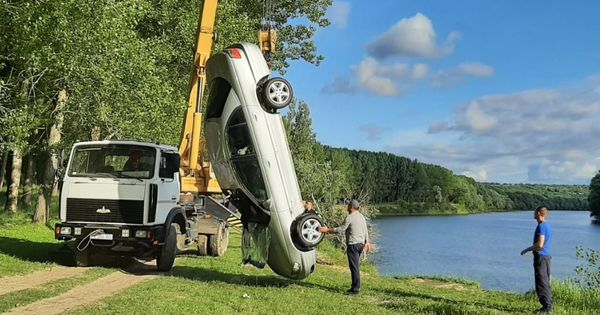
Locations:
(105, 210)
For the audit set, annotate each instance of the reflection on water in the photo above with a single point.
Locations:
(481, 247)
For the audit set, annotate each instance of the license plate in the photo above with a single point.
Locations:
(108, 237)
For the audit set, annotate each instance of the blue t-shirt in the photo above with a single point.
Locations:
(545, 230)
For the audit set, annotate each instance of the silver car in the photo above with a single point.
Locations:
(248, 148)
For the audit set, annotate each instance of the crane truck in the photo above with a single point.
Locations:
(152, 201)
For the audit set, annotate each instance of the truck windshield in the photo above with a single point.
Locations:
(121, 161)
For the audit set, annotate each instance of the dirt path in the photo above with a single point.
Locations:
(37, 278)
(84, 295)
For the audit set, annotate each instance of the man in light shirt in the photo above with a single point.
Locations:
(357, 241)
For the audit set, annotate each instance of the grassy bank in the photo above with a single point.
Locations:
(221, 286)
(402, 208)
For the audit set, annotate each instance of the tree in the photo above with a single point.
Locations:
(594, 196)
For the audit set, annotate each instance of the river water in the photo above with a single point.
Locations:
(481, 247)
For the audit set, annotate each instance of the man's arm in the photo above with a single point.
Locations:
(338, 229)
(535, 247)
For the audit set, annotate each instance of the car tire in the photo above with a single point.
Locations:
(305, 230)
(217, 243)
(166, 252)
(276, 93)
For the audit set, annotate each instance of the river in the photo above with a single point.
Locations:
(481, 247)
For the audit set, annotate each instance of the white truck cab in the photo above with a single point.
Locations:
(122, 198)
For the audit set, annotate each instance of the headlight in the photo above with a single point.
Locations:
(77, 231)
(65, 230)
(125, 233)
(140, 234)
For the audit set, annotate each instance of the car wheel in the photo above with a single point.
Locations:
(217, 243)
(306, 231)
(202, 241)
(277, 93)
(166, 252)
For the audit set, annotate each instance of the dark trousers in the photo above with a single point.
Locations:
(354, 251)
(541, 267)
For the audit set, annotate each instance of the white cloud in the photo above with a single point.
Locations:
(372, 131)
(476, 69)
(480, 175)
(338, 14)
(452, 76)
(339, 85)
(387, 79)
(547, 136)
(477, 119)
(414, 36)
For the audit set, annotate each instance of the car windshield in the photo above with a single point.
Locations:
(243, 157)
(119, 161)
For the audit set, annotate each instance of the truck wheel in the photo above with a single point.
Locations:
(202, 245)
(217, 243)
(167, 251)
(82, 258)
(306, 231)
(276, 93)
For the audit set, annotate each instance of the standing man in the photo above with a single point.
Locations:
(542, 239)
(357, 240)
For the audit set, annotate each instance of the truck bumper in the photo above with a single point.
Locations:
(124, 233)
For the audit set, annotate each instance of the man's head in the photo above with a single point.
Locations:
(540, 214)
(308, 205)
(353, 205)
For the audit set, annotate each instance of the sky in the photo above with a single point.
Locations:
(501, 91)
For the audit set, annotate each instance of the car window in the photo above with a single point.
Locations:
(218, 91)
(243, 156)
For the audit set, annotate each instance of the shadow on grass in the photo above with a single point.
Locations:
(29, 250)
(264, 281)
(451, 303)
(210, 275)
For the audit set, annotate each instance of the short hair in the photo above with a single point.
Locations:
(543, 211)
(354, 204)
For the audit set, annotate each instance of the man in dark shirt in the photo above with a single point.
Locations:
(542, 239)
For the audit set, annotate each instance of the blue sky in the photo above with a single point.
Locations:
(503, 91)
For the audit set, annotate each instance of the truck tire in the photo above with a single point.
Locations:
(305, 231)
(217, 243)
(166, 252)
(202, 245)
(82, 258)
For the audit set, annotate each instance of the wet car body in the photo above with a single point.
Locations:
(248, 148)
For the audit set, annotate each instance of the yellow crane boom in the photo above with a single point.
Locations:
(195, 171)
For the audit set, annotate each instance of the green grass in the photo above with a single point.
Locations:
(222, 286)
(20, 298)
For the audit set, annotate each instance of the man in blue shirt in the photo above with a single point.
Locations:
(542, 239)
